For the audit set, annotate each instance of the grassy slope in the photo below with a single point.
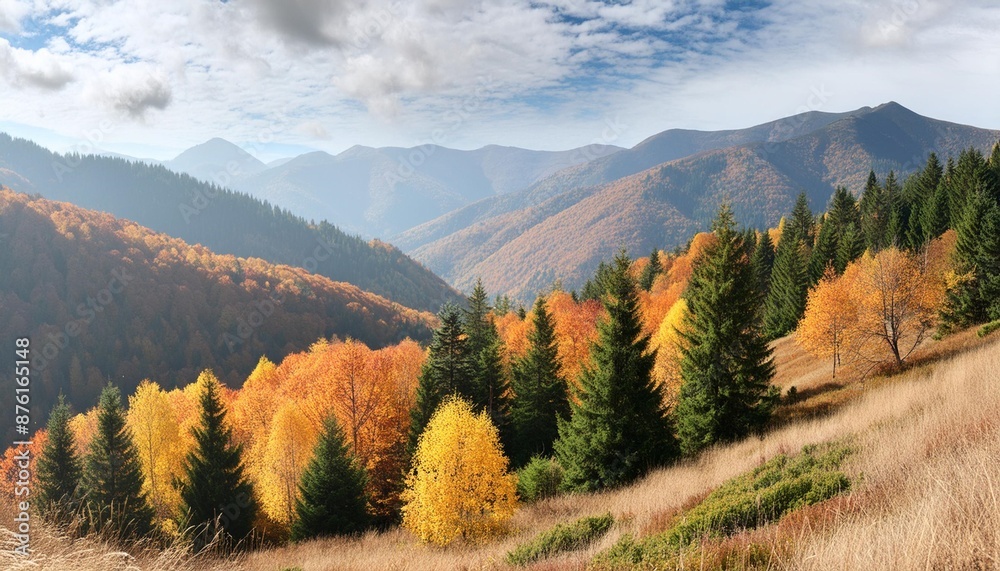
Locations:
(927, 493)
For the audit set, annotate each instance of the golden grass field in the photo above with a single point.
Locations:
(926, 492)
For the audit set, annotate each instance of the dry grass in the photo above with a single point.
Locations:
(927, 473)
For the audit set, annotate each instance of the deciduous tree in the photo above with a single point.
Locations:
(459, 486)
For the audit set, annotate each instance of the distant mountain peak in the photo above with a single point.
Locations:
(215, 157)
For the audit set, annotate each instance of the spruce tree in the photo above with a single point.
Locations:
(59, 470)
(899, 216)
(618, 429)
(217, 499)
(762, 262)
(825, 251)
(332, 491)
(112, 478)
(802, 222)
(447, 371)
(786, 300)
(652, 269)
(927, 215)
(489, 378)
(874, 214)
(850, 248)
(726, 363)
(541, 392)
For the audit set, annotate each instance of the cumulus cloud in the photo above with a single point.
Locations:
(41, 69)
(131, 89)
(11, 14)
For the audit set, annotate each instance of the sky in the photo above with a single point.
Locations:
(150, 78)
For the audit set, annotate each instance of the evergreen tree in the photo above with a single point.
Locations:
(486, 361)
(926, 213)
(895, 233)
(596, 287)
(447, 371)
(619, 428)
(726, 363)
(843, 214)
(963, 183)
(975, 298)
(332, 491)
(786, 300)
(217, 500)
(934, 218)
(850, 248)
(541, 392)
(874, 214)
(652, 269)
(762, 262)
(802, 222)
(825, 251)
(112, 478)
(59, 469)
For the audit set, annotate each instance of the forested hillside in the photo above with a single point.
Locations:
(223, 221)
(561, 228)
(104, 299)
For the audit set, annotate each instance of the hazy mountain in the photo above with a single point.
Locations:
(225, 221)
(662, 147)
(218, 161)
(523, 242)
(384, 191)
(131, 304)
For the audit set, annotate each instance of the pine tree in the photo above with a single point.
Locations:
(332, 491)
(619, 428)
(652, 269)
(541, 392)
(447, 371)
(112, 478)
(763, 262)
(726, 363)
(59, 470)
(217, 500)
(786, 300)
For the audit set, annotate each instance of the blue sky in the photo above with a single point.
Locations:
(151, 78)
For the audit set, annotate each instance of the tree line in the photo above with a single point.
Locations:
(676, 359)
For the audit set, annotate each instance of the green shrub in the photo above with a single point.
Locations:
(563, 537)
(989, 328)
(751, 500)
(539, 479)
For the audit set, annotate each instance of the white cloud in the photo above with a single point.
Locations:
(40, 69)
(11, 14)
(542, 74)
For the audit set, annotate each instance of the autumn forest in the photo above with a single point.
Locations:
(360, 415)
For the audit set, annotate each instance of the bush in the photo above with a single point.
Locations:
(989, 328)
(751, 500)
(563, 537)
(539, 479)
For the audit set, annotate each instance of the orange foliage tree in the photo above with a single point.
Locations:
(827, 327)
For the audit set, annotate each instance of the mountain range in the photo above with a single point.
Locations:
(519, 219)
(656, 194)
(225, 221)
